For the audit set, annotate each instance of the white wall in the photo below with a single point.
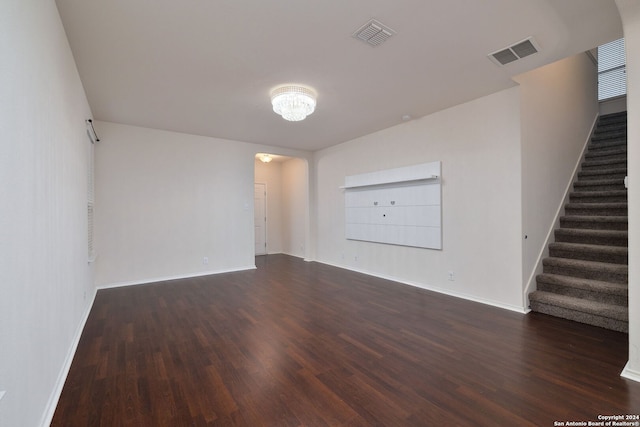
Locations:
(559, 104)
(271, 175)
(45, 281)
(295, 209)
(630, 14)
(479, 146)
(166, 200)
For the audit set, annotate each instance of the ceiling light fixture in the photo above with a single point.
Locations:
(292, 102)
(265, 158)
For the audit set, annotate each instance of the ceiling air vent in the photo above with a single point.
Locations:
(373, 33)
(513, 53)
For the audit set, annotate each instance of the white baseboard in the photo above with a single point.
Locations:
(630, 374)
(50, 409)
(176, 277)
(517, 309)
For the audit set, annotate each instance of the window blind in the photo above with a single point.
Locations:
(612, 76)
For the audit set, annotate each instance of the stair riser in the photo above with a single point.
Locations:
(620, 117)
(616, 127)
(596, 211)
(604, 275)
(611, 129)
(609, 136)
(590, 240)
(603, 322)
(610, 119)
(568, 222)
(602, 171)
(613, 258)
(581, 198)
(591, 176)
(605, 155)
(598, 147)
(590, 166)
(584, 186)
(621, 300)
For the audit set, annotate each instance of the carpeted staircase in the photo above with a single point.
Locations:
(585, 276)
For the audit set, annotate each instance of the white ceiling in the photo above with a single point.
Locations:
(206, 67)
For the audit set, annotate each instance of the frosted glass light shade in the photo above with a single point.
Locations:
(265, 158)
(293, 103)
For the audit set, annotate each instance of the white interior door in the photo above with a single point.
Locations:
(260, 217)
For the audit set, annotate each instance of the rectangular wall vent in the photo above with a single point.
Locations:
(514, 52)
(373, 33)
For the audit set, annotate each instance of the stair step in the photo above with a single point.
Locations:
(607, 145)
(611, 173)
(611, 117)
(586, 252)
(592, 270)
(599, 209)
(613, 196)
(621, 135)
(613, 127)
(607, 153)
(599, 184)
(604, 315)
(604, 164)
(592, 237)
(593, 290)
(592, 222)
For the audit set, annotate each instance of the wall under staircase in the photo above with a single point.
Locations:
(585, 276)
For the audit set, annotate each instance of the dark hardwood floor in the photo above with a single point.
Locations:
(305, 344)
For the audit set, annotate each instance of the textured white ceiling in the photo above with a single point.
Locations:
(206, 67)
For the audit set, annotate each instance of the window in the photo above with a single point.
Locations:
(612, 77)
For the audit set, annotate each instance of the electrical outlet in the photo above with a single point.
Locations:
(452, 276)
(205, 260)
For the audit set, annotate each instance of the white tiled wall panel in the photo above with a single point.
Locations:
(406, 213)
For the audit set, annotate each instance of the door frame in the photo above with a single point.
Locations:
(264, 186)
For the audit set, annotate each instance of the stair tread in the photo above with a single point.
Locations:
(587, 284)
(604, 181)
(598, 193)
(591, 248)
(592, 232)
(614, 116)
(602, 162)
(598, 205)
(586, 265)
(600, 151)
(612, 311)
(610, 171)
(597, 218)
(600, 146)
(617, 169)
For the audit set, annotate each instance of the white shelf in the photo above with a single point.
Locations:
(426, 178)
